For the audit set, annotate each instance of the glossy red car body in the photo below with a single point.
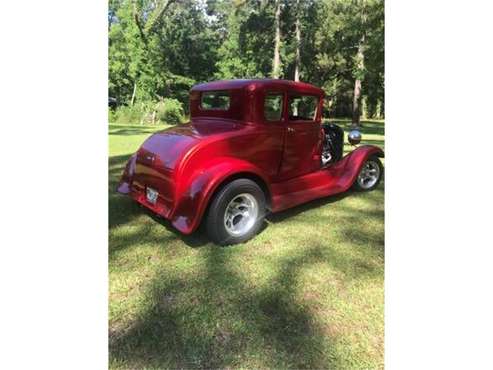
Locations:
(187, 163)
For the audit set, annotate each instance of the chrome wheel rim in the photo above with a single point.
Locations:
(369, 174)
(241, 214)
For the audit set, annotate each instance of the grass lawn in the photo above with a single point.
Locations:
(307, 292)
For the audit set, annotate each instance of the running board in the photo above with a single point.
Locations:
(302, 189)
(327, 181)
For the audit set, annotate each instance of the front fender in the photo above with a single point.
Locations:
(195, 191)
(354, 161)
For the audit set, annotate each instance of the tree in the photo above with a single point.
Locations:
(359, 62)
(374, 60)
(146, 16)
(160, 48)
(276, 63)
(358, 75)
(247, 35)
(349, 56)
(298, 43)
(125, 51)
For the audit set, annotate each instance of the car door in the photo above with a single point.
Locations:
(302, 137)
(269, 141)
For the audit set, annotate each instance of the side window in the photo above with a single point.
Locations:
(302, 108)
(273, 106)
(217, 100)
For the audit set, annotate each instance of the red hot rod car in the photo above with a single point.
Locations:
(251, 147)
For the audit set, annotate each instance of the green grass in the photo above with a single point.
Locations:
(307, 292)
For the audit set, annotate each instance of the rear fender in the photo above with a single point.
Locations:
(195, 191)
(127, 176)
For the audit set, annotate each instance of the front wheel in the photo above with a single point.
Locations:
(236, 212)
(369, 175)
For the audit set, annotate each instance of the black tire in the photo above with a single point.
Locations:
(375, 162)
(215, 223)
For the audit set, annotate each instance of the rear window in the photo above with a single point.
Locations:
(303, 108)
(218, 100)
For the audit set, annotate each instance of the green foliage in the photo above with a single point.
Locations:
(135, 114)
(170, 111)
(155, 54)
(164, 60)
(247, 48)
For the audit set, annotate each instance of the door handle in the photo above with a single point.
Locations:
(290, 129)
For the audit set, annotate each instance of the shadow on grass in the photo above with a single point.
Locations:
(194, 240)
(215, 319)
(210, 316)
(133, 131)
(292, 212)
(121, 209)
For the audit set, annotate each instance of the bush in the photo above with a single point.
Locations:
(112, 116)
(130, 114)
(170, 111)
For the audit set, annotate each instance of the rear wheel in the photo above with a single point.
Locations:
(369, 175)
(236, 212)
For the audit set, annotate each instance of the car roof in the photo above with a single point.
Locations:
(258, 83)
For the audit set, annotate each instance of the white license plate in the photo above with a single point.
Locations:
(151, 195)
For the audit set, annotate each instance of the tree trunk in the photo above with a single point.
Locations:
(139, 26)
(356, 108)
(145, 27)
(298, 43)
(133, 93)
(276, 65)
(156, 15)
(357, 86)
